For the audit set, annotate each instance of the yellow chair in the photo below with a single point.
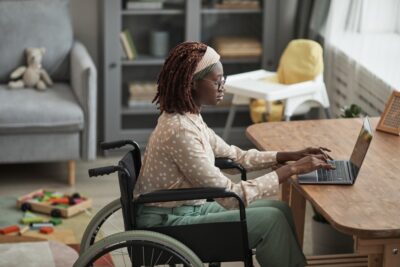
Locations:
(297, 85)
(301, 61)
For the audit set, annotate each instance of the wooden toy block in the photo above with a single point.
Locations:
(29, 220)
(63, 200)
(55, 221)
(23, 230)
(46, 230)
(40, 225)
(9, 229)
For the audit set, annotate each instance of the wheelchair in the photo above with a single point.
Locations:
(183, 245)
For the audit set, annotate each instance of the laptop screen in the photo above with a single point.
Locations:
(361, 147)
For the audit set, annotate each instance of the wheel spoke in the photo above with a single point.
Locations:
(130, 254)
(144, 262)
(169, 259)
(158, 257)
(123, 258)
(105, 229)
(151, 258)
(108, 262)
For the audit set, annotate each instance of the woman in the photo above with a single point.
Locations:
(181, 153)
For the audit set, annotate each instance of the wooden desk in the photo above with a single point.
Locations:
(370, 209)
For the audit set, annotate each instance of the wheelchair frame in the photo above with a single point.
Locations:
(128, 170)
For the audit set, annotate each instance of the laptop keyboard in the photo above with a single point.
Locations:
(333, 175)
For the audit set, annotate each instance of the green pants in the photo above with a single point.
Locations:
(270, 227)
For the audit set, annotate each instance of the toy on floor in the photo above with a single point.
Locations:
(32, 223)
(24, 230)
(54, 203)
(9, 229)
(46, 229)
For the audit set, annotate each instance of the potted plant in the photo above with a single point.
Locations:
(325, 238)
(353, 111)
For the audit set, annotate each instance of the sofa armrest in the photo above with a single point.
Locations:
(84, 85)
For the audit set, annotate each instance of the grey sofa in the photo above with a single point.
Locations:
(58, 124)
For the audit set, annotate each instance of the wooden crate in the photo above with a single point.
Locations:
(46, 207)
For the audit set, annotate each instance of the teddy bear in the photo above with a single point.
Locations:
(33, 75)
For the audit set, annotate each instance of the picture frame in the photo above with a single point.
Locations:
(390, 118)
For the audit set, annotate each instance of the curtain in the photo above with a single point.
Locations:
(286, 15)
(303, 17)
(310, 18)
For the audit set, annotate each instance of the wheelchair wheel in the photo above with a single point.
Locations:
(106, 222)
(138, 248)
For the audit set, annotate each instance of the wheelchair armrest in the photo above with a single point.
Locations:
(227, 163)
(190, 194)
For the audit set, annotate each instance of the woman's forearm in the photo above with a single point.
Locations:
(285, 172)
(282, 157)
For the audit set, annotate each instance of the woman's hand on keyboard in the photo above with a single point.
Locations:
(315, 151)
(311, 163)
(283, 157)
(304, 165)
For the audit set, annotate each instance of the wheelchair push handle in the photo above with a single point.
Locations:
(117, 144)
(103, 171)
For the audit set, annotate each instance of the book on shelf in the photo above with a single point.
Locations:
(125, 46)
(131, 43)
(141, 93)
(149, 4)
(124, 50)
(238, 4)
(128, 44)
(231, 47)
(133, 103)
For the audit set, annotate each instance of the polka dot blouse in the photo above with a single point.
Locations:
(181, 153)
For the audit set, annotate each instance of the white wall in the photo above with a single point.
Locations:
(86, 24)
(398, 20)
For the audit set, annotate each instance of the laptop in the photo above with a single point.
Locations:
(346, 170)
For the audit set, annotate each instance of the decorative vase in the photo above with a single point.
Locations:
(159, 43)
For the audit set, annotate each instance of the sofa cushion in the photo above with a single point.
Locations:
(35, 23)
(29, 110)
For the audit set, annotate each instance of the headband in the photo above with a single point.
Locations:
(210, 58)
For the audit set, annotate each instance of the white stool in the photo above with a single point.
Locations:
(298, 98)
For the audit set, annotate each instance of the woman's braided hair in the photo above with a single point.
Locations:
(175, 81)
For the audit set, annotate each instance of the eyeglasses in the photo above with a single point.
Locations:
(220, 84)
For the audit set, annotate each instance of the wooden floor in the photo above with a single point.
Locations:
(19, 179)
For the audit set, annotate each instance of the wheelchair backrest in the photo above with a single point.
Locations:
(132, 164)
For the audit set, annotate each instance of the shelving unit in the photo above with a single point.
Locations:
(191, 21)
